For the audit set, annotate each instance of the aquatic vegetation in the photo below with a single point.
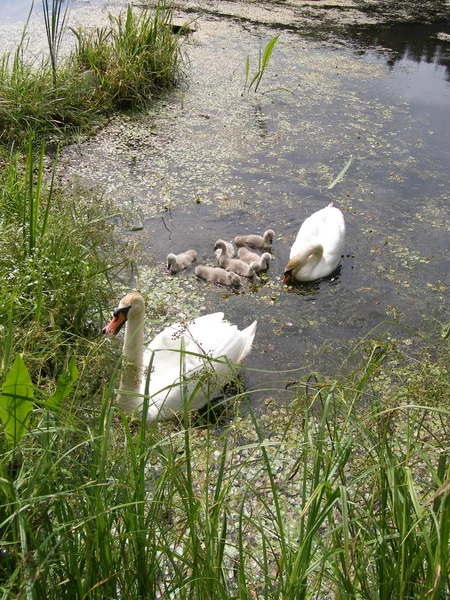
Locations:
(119, 66)
(263, 63)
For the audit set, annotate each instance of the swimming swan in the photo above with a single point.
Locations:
(178, 262)
(210, 346)
(248, 256)
(317, 249)
(264, 242)
(218, 275)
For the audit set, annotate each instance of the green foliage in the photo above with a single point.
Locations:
(64, 386)
(54, 263)
(341, 174)
(263, 63)
(16, 402)
(54, 21)
(132, 58)
(347, 499)
(119, 66)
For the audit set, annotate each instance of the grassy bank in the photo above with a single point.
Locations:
(341, 494)
(119, 66)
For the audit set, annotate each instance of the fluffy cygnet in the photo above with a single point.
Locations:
(178, 262)
(229, 249)
(249, 257)
(235, 264)
(264, 242)
(218, 275)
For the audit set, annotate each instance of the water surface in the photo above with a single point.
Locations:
(209, 163)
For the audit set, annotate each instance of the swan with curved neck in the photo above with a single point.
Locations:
(229, 249)
(235, 264)
(186, 362)
(318, 246)
(250, 257)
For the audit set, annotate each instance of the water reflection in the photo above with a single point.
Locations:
(414, 42)
(16, 10)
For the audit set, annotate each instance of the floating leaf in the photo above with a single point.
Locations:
(341, 174)
(16, 402)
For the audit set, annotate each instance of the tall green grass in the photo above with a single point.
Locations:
(344, 498)
(121, 65)
(55, 20)
(132, 58)
(58, 256)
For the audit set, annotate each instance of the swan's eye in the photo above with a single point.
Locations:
(122, 311)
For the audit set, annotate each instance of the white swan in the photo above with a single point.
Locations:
(203, 350)
(264, 242)
(235, 264)
(249, 257)
(229, 249)
(218, 275)
(317, 249)
(178, 262)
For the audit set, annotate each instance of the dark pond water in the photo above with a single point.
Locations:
(395, 197)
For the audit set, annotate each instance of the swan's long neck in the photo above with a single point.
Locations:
(133, 353)
(311, 254)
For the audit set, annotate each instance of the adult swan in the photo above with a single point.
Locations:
(317, 249)
(203, 351)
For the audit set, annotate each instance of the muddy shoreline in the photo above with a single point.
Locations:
(325, 17)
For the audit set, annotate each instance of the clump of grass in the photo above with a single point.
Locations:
(132, 58)
(58, 256)
(119, 66)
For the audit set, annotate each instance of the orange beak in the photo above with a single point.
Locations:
(117, 322)
(287, 276)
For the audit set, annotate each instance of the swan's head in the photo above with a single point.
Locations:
(235, 280)
(221, 245)
(171, 259)
(268, 236)
(130, 306)
(287, 276)
(288, 273)
(266, 257)
(253, 268)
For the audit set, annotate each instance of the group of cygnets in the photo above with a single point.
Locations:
(230, 269)
(209, 342)
(315, 253)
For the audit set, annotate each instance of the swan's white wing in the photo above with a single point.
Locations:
(205, 339)
(325, 227)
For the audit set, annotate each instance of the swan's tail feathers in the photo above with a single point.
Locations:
(248, 335)
(331, 203)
